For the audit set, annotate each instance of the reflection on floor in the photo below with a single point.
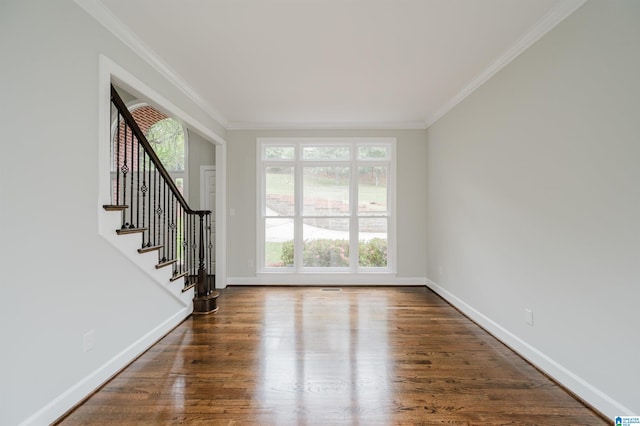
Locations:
(308, 356)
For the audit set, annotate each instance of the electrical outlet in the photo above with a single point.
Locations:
(528, 316)
(89, 340)
(232, 211)
(250, 263)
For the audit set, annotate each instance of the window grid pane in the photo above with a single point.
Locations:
(326, 242)
(278, 153)
(326, 191)
(372, 190)
(373, 242)
(324, 153)
(278, 248)
(279, 191)
(373, 152)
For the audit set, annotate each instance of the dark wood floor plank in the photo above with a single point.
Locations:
(304, 356)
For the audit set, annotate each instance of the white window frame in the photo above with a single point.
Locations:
(298, 163)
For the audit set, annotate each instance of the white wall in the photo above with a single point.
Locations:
(59, 278)
(534, 202)
(411, 197)
(201, 153)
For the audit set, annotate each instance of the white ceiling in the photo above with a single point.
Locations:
(332, 63)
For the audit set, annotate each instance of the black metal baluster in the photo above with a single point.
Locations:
(163, 226)
(205, 229)
(172, 244)
(172, 227)
(132, 225)
(176, 206)
(187, 246)
(143, 189)
(158, 211)
(210, 269)
(117, 160)
(188, 250)
(150, 190)
(164, 221)
(183, 243)
(177, 236)
(155, 199)
(196, 246)
(125, 170)
(184, 240)
(193, 246)
(138, 188)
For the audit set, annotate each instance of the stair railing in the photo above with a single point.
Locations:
(152, 205)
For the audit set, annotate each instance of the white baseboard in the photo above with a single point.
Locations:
(326, 279)
(580, 387)
(76, 393)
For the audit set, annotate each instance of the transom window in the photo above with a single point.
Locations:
(326, 205)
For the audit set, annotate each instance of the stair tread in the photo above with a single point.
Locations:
(188, 287)
(129, 230)
(148, 249)
(166, 263)
(114, 207)
(178, 276)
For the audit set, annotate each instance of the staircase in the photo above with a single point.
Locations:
(152, 222)
(147, 261)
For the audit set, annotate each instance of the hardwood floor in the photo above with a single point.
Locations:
(309, 356)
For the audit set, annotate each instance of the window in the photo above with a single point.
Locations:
(167, 138)
(326, 205)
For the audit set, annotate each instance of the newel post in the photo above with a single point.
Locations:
(204, 301)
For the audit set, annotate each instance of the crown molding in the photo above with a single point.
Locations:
(413, 125)
(554, 17)
(103, 15)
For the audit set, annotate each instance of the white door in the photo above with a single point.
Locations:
(208, 202)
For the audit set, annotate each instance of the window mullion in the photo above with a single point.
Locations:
(263, 216)
(297, 214)
(353, 214)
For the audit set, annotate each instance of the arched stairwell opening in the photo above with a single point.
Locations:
(150, 205)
